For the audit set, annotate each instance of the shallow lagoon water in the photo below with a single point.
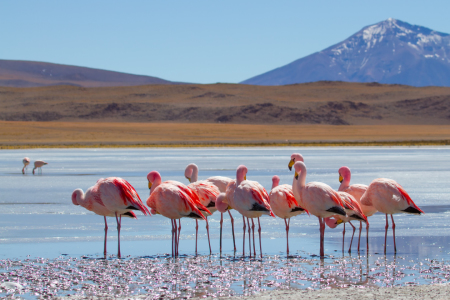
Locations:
(38, 220)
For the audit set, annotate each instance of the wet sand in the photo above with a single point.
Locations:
(101, 134)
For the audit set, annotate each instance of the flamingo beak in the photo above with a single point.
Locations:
(245, 177)
(339, 221)
(229, 207)
(291, 163)
(296, 175)
(341, 178)
(149, 185)
(188, 178)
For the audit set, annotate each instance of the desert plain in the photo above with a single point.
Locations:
(224, 114)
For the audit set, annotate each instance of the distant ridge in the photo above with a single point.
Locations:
(392, 52)
(17, 73)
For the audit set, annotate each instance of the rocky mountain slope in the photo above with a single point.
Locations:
(391, 51)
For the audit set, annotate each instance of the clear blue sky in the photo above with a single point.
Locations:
(194, 41)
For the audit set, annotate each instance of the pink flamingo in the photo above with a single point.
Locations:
(191, 173)
(26, 162)
(38, 164)
(250, 199)
(283, 204)
(318, 198)
(173, 200)
(389, 197)
(295, 157)
(110, 197)
(356, 190)
(352, 214)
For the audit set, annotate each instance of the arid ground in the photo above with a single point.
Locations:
(327, 112)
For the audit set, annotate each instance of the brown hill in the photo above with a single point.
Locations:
(334, 103)
(14, 73)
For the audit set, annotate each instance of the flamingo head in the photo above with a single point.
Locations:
(299, 167)
(332, 222)
(294, 158)
(241, 173)
(190, 171)
(221, 203)
(275, 181)
(26, 161)
(344, 174)
(153, 177)
(78, 193)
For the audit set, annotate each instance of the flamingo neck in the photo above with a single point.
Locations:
(194, 176)
(155, 179)
(344, 185)
(346, 175)
(275, 181)
(155, 184)
(78, 197)
(331, 222)
(240, 174)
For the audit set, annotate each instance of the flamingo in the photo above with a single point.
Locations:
(26, 162)
(352, 214)
(389, 197)
(283, 204)
(250, 199)
(221, 182)
(356, 190)
(318, 198)
(110, 197)
(38, 164)
(173, 200)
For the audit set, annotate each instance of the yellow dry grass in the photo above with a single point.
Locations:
(81, 134)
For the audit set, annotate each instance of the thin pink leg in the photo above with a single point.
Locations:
(232, 230)
(367, 236)
(119, 225)
(249, 237)
(196, 234)
(351, 241)
(393, 231)
(253, 232)
(176, 237)
(243, 240)
(106, 231)
(322, 233)
(259, 231)
(359, 238)
(221, 222)
(287, 236)
(179, 229)
(385, 233)
(343, 235)
(173, 238)
(207, 231)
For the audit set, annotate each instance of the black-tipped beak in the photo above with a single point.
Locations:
(296, 175)
(291, 163)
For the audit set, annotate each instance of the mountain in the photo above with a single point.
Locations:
(16, 73)
(392, 52)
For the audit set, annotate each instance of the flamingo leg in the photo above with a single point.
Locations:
(253, 232)
(353, 234)
(367, 236)
(259, 231)
(243, 243)
(359, 238)
(106, 231)
(322, 233)
(393, 231)
(119, 225)
(179, 229)
(232, 229)
(343, 235)
(249, 237)
(207, 231)
(385, 233)
(176, 237)
(196, 234)
(173, 237)
(287, 236)
(221, 222)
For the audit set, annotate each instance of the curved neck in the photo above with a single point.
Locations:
(240, 174)
(155, 184)
(275, 182)
(194, 176)
(78, 197)
(344, 184)
(300, 182)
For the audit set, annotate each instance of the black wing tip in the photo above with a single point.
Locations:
(297, 209)
(193, 215)
(258, 207)
(412, 210)
(338, 210)
(355, 216)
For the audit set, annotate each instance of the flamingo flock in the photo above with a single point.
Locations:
(115, 197)
(37, 165)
